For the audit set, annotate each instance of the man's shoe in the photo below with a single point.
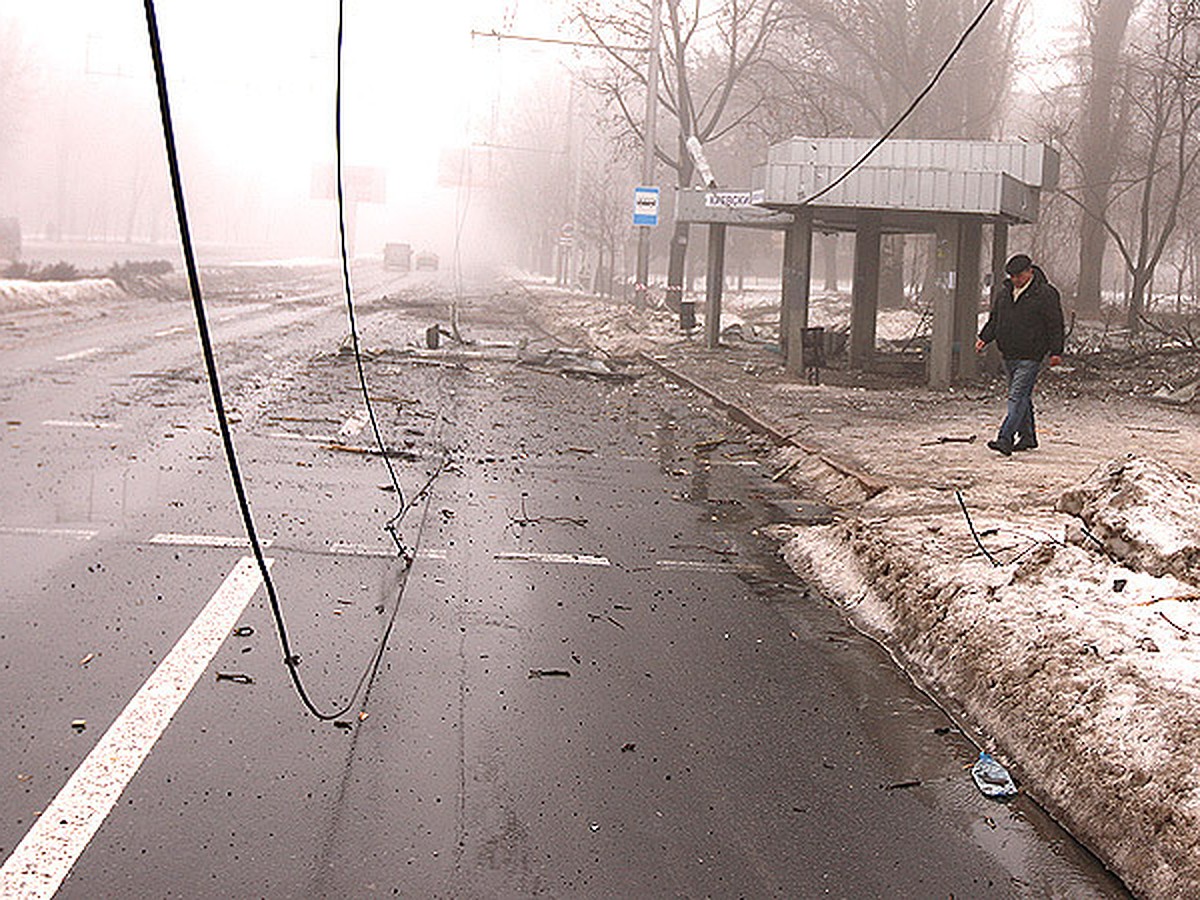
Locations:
(1004, 448)
(1023, 444)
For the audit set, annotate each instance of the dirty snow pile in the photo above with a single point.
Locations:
(1079, 661)
(18, 293)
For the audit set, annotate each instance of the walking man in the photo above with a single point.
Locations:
(1026, 322)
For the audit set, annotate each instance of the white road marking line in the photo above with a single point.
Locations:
(176, 330)
(696, 565)
(78, 423)
(573, 559)
(78, 534)
(78, 354)
(62, 832)
(203, 540)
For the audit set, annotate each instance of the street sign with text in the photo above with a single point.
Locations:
(645, 206)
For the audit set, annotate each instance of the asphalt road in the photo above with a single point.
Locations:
(600, 682)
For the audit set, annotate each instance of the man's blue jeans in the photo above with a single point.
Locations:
(1022, 375)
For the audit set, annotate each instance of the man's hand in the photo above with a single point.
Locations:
(979, 345)
(1055, 361)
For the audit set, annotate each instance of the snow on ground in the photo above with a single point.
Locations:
(18, 293)
(1075, 658)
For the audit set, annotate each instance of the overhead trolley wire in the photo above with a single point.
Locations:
(390, 525)
(911, 107)
(291, 659)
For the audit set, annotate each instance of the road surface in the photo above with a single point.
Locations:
(601, 681)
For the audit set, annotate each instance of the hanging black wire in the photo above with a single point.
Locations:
(390, 525)
(911, 107)
(291, 660)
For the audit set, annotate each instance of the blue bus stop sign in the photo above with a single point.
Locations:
(645, 206)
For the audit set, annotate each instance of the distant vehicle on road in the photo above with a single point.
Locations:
(10, 239)
(427, 261)
(398, 257)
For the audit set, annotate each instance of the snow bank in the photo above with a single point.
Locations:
(20, 294)
(1145, 512)
(1089, 693)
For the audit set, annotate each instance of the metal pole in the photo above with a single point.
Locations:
(641, 291)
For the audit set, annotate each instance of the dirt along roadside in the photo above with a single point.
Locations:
(1051, 599)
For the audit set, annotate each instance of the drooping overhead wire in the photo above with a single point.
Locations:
(895, 126)
(290, 659)
(390, 525)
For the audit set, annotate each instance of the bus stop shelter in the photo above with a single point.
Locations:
(951, 189)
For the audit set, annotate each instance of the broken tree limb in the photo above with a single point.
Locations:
(389, 452)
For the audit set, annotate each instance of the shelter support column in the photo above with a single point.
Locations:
(797, 275)
(941, 351)
(966, 296)
(999, 252)
(864, 302)
(714, 285)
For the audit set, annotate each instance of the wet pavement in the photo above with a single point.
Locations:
(602, 680)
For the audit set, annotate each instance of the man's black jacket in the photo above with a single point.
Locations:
(1029, 328)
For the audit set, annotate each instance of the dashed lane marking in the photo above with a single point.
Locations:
(79, 354)
(78, 534)
(78, 423)
(203, 540)
(62, 832)
(570, 559)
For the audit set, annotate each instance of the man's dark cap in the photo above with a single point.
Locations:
(1018, 264)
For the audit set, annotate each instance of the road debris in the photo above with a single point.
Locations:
(549, 673)
(950, 439)
(991, 778)
(235, 677)
(389, 452)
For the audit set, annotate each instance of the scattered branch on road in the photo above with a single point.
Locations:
(390, 452)
(950, 439)
(1186, 631)
(549, 673)
(525, 519)
(600, 617)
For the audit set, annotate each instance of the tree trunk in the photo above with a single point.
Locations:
(1098, 155)
(1137, 302)
(676, 261)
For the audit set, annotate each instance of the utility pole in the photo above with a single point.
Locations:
(642, 290)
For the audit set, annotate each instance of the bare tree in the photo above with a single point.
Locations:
(1107, 22)
(1156, 175)
(878, 54)
(715, 59)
